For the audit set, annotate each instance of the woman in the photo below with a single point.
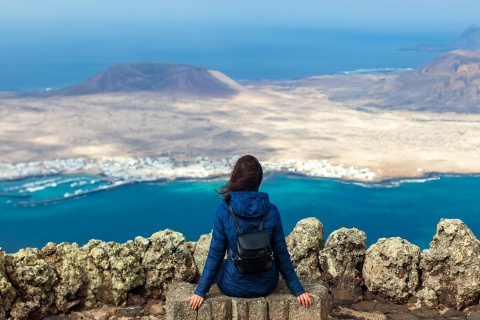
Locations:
(250, 206)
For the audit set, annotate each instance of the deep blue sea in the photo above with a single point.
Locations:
(409, 209)
(35, 57)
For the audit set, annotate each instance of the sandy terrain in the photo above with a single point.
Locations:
(272, 120)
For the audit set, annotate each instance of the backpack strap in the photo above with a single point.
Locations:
(235, 219)
(262, 224)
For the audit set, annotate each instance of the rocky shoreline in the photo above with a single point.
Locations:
(68, 279)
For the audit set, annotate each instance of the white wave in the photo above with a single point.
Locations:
(33, 189)
(82, 183)
(33, 184)
(396, 183)
(375, 70)
(46, 183)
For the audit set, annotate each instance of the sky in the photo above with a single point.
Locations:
(402, 14)
(54, 43)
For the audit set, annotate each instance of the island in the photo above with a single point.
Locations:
(150, 121)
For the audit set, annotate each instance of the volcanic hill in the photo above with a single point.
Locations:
(468, 40)
(449, 83)
(168, 78)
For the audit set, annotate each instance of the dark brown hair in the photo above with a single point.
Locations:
(246, 175)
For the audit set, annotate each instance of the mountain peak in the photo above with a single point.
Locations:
(449, 83)
(164, 77)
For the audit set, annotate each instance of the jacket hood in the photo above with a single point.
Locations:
(249, 204)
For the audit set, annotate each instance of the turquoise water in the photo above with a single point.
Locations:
(410, 210)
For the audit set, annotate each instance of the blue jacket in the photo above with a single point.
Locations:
(250, 207)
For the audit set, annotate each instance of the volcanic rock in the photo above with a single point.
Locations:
(391, 268)
(449, 83)
(451, 267)
(341, 263)
(201, 252)
(304, 243)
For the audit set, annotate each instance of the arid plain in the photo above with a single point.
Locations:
(274, 120)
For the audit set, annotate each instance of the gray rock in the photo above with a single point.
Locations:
(279, 305)
(304, 243)
(320, 297)
(451, 267)
(167, 259)
(102, 313)
(201, 251)
(118, 269)
(348, 313)
(391, 268)
(341, 263)
(178, 303)
(34, 280)
(75, 271)
(220, 304)
(138, 246)
(7, 292)
(253, 308)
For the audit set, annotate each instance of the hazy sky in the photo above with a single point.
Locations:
(430, 14)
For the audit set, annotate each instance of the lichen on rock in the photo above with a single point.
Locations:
(391, 268)
(451, 267)
(7, 292)
(167, 258)
(34, 280)
(201, 252)
(341, 263)
(120, 270)
(304, 243)
(78, 276)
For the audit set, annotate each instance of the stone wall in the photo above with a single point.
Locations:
(62, 278)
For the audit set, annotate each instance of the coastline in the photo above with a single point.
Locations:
(203, 169)
(151, 169)
(118, 171)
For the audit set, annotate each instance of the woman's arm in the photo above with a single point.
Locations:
(218, 245)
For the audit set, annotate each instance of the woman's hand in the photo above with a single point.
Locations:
(195, 301)
(305, 299)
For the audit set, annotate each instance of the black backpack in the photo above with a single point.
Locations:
(254, 251)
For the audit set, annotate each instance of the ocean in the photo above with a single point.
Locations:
(408, 209)
(48, 56)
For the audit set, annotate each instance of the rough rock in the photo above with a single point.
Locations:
(7, 292)
(451, 267)
(167, 258)
(341, 263)
(178, 299)
(201, 251)
(391, 268)
(78, 276)
(34, 280)
(120, 267)
(138, 246)
(349, 313)
(253, 308)
(304, 243)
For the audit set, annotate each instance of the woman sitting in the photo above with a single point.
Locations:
(251, 207)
